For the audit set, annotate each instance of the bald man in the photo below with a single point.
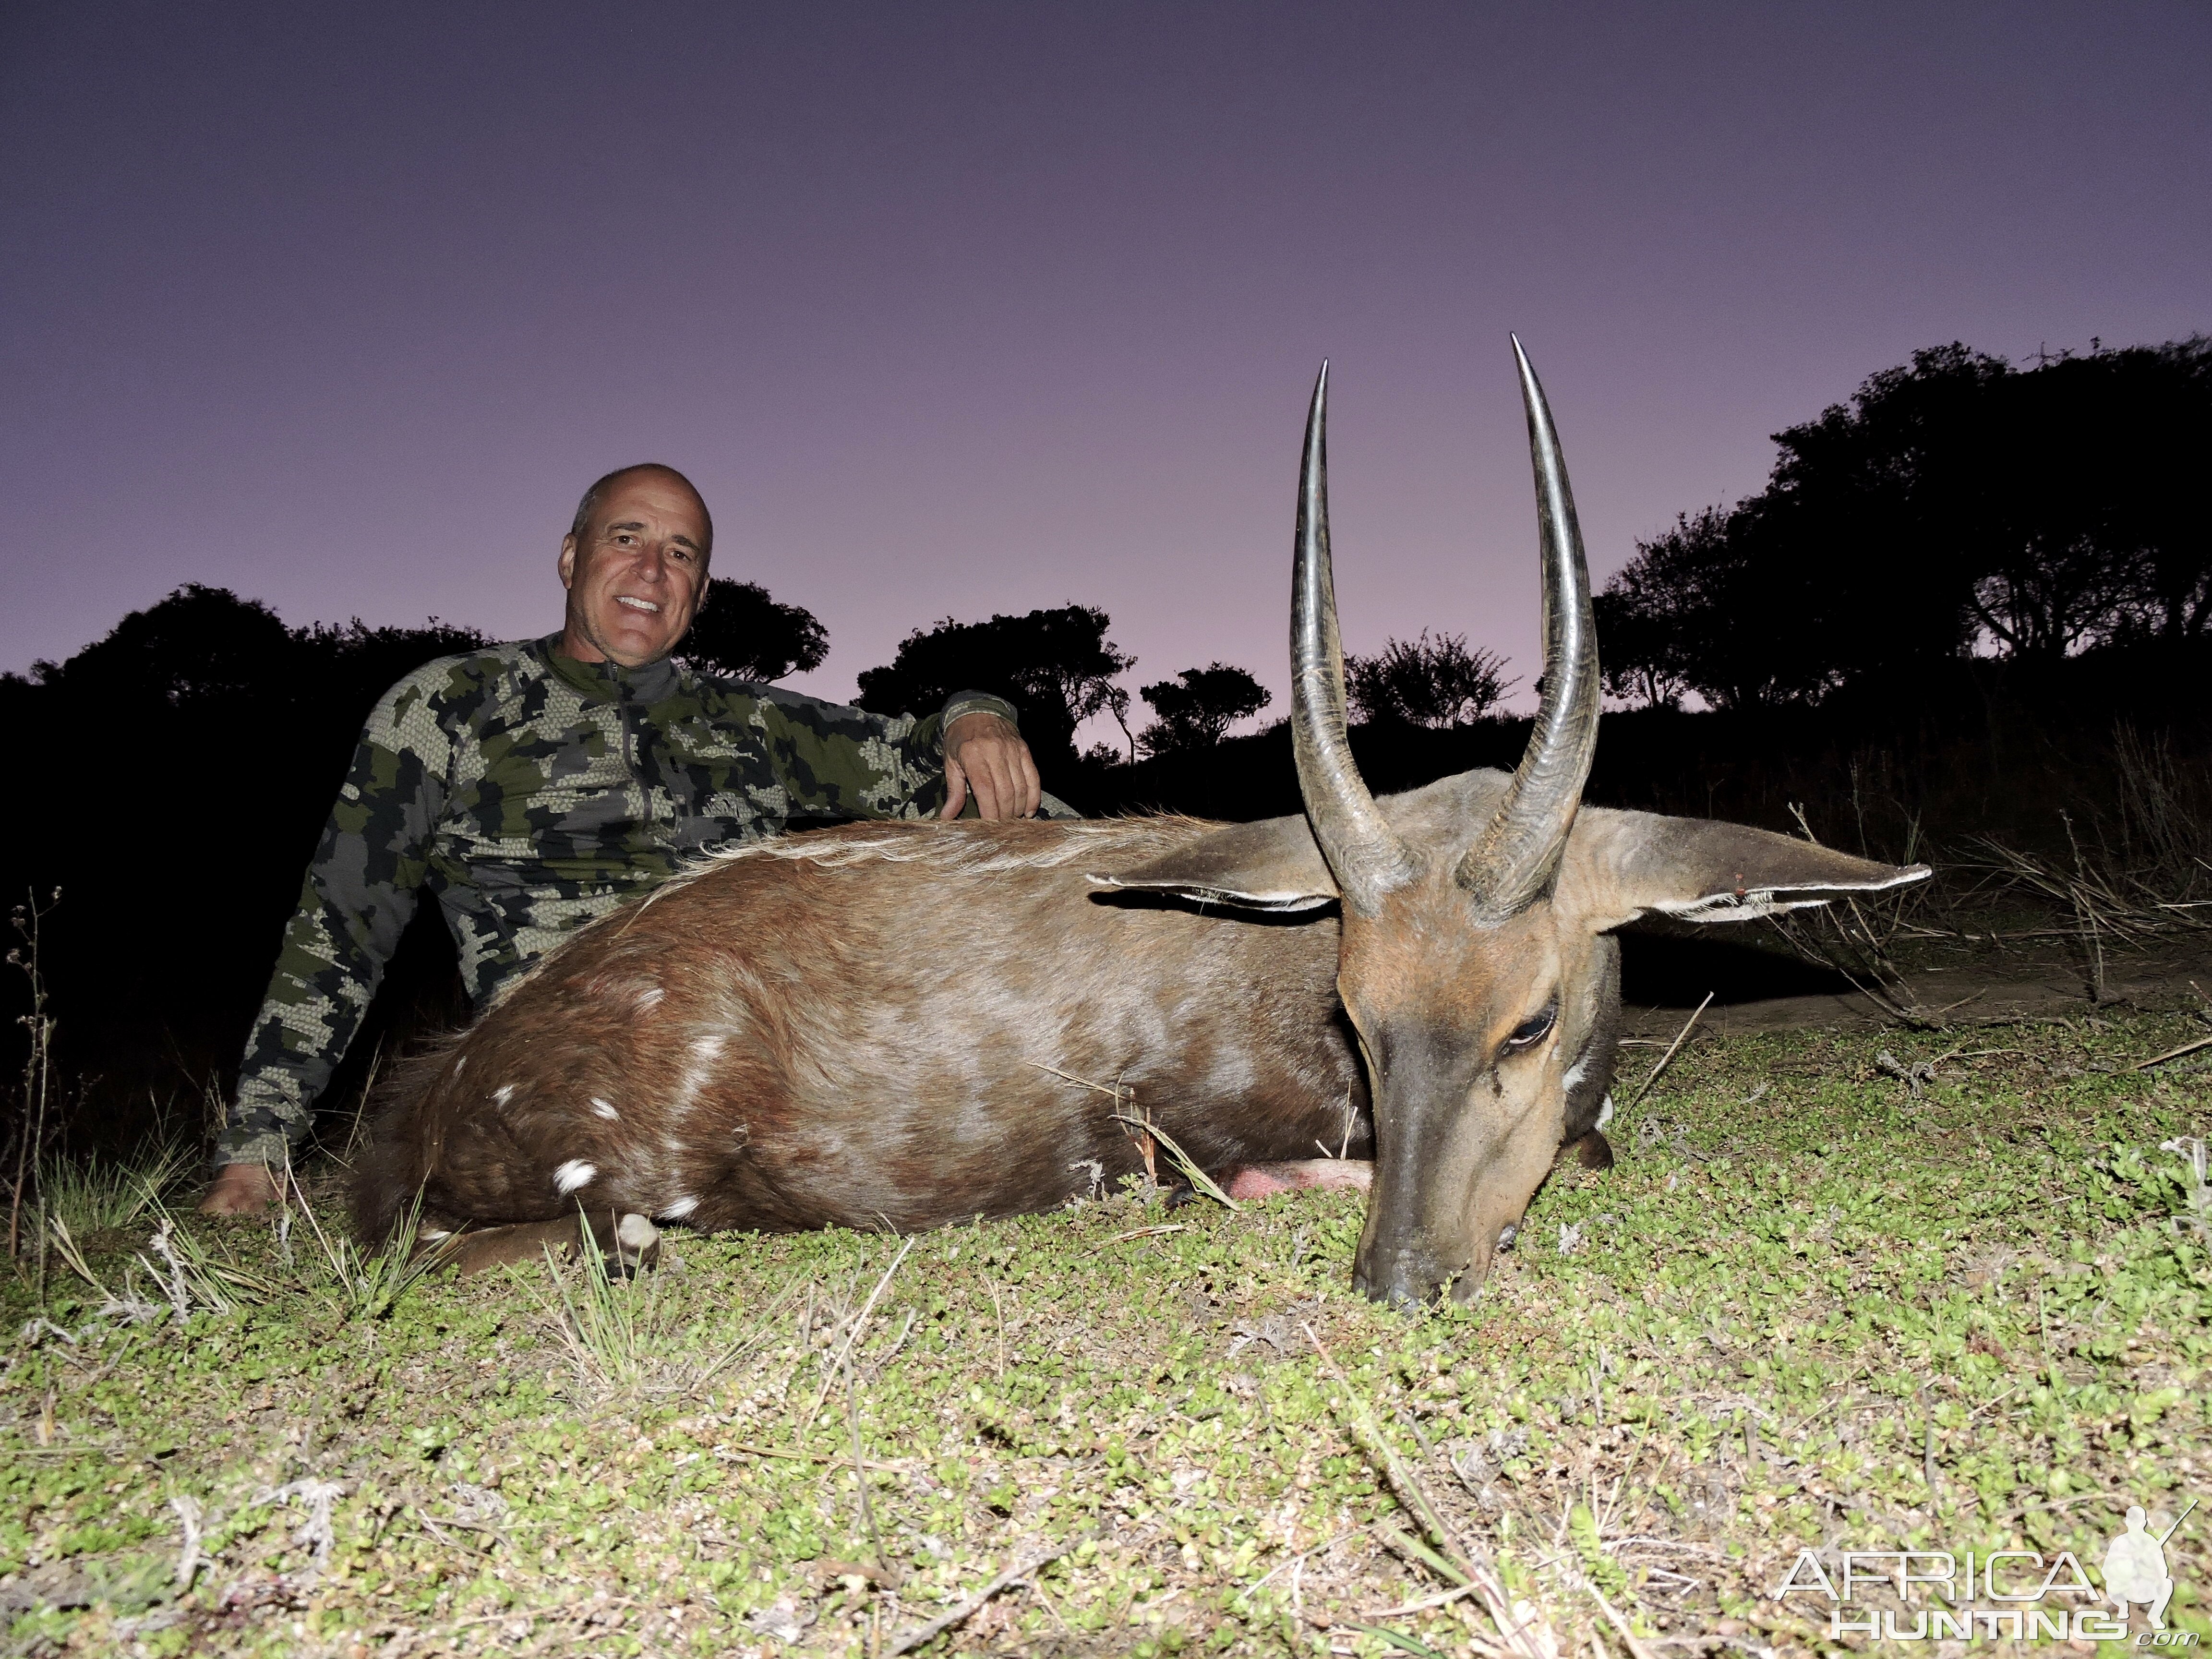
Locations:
(533, 787)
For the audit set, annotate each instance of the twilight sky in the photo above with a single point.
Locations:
(962, 309)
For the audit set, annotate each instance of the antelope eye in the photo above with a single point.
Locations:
(1532, 1030)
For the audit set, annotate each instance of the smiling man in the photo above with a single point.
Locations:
(533, 787)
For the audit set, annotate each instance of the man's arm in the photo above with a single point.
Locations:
(357, 897)
(837, 761)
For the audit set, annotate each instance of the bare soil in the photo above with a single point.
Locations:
(1758, 986)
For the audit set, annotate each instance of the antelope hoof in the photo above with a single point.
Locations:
(1593, 1151)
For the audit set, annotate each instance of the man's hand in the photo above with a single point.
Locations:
(984, 753)
(241, 1189)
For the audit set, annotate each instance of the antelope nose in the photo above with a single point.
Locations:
(1404, 1279)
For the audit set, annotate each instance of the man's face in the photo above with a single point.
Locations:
(636, 574)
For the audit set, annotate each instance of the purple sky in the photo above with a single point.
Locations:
(952, 309)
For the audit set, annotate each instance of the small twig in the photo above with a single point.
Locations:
(1629, 1638)
(1147, 1232)
(1420, 1554)
(852, 1335)
(790, 1455)
(885, 1572)
(439, 1532)
(923, 1634)
(1198, 1178)
(1441, 1599)
(1288, 1562)
(1682, 1037)
(2173, 1053)
(188, 1559)
(1408, 1484)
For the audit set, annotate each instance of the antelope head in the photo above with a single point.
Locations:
(1475, 961)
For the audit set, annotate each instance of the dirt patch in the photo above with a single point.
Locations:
(1759, 988)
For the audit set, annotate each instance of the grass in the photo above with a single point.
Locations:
(1811, 1307)
(94, 1195)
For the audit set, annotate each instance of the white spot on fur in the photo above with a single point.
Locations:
(606, 1111)
(1605, 1113)
(1575, 1074)
(635, 1234)
(574, 1173)
(459, 1060)
(682, 1208)
(649, 998)
(501, 1095)
(708, 1047)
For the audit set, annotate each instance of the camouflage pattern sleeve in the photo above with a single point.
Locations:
(834, 762)
(358, 894)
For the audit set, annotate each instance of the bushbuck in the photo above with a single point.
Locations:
(905, 1025)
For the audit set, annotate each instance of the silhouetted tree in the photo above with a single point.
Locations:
(1056, 666)
(1434, 681)
(1198, 706)
(1955, 505)
(741, 632)
(198, 645)
(204, 649)
(357, 664)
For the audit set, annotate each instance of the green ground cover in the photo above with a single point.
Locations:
(1824, 1301)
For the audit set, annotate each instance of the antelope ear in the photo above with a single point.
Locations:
(1272, 864)
(1620, 866)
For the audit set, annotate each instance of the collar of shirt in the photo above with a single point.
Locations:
(610, 682)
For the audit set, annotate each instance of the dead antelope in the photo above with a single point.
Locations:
(878, 1026)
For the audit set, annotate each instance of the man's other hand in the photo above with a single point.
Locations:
(985, 754)
(241, 1189)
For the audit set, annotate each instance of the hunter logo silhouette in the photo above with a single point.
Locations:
(2134, 1566)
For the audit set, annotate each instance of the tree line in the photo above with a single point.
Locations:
(204, 650)
(1957, 508)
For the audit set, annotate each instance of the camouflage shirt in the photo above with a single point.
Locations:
(531, 793)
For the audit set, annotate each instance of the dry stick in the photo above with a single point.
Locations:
(758, 1335)
(1629, 1638)
(1410, 1493)
(795, 1457)
(1142, 1122)
(1198, 1178)
(1441, 1599)
(852, 1336)
(1652, 1076)
(1117, 1093)
(2173, 1053)
(1409, 1486)
(884, 1567)
(945, 1621)
(1284, 1565)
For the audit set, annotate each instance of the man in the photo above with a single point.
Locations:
(533, 787)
